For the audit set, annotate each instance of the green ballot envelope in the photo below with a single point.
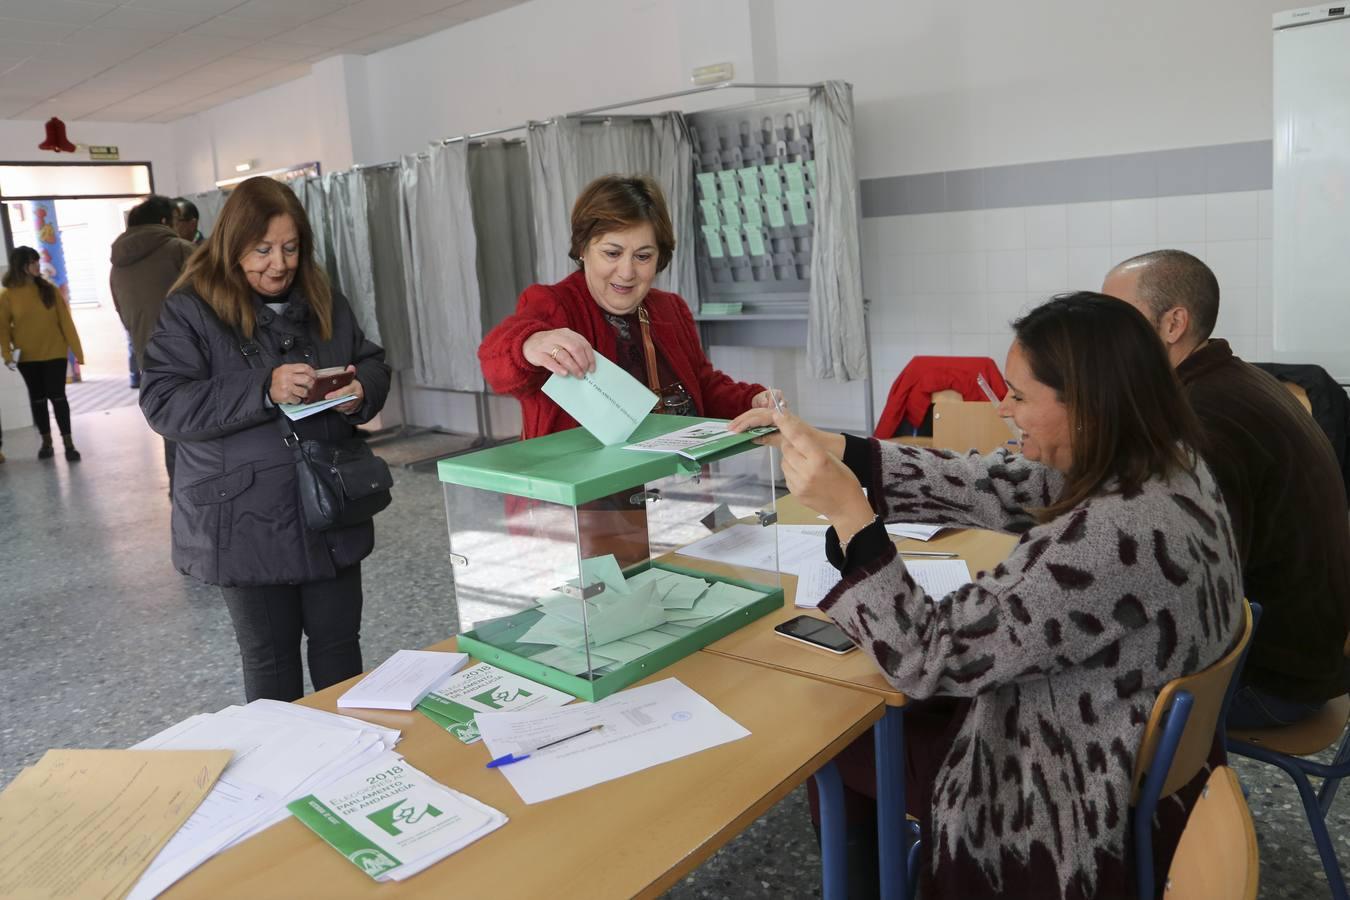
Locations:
(585, 567)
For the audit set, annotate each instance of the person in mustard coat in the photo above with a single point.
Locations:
(35, 321)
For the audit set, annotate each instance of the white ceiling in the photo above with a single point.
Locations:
(160, 60)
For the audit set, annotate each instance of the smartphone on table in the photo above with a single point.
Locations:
(328, 380)
(817, 633)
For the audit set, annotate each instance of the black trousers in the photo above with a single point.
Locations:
(269, 621)
(170, 454)
(46, 383)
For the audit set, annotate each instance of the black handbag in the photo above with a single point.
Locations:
(341, 483)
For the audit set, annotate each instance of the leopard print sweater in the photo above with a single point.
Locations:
(1063, 646)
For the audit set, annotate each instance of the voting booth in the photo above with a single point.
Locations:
(588, 567)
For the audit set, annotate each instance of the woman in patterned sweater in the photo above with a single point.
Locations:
(1126, 577)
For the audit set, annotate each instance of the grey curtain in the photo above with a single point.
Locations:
(440, 257)
(384, 214)
(309, 191)
(208, 205)
(836, 342)
(566, 154)
(349, 256)
(499, 191)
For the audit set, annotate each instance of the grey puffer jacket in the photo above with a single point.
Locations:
(236, 507)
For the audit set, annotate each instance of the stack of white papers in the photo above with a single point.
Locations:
(938, 578)
(281, 752)
(392, 820)
(297, 411)
(912, 530)
(403, 680)
(639, 728)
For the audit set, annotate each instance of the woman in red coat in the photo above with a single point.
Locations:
(621, 240)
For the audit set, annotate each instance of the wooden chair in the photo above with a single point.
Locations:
(1217, 858)
(1286, 749)
(963, 425)
(1299, 394)
(1178, 738)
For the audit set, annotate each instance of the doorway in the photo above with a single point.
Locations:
(71, 213)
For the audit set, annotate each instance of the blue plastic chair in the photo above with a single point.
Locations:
(1186, 717)
(1286, 749)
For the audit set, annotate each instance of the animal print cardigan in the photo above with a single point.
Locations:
(1063, 647)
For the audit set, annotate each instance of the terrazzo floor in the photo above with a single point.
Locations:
(104, 643)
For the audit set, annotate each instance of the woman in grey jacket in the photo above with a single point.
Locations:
(1126, 577)
(247, 325)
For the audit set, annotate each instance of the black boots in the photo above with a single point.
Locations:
(46, 451)
(72, 455)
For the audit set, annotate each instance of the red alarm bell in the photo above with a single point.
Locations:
(56, 137)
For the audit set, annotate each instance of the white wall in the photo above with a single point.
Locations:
(150, 143)
(942, 86)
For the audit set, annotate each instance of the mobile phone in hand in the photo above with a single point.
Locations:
(328, 380)
(817, 633)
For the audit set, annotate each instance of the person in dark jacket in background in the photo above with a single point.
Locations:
(185, 219)
(147, 259)
(1282, 486)
(248, 323)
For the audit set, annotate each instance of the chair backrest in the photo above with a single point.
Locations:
(1208, 687)
(1217, 857)
(1299, 394)
(964, 425)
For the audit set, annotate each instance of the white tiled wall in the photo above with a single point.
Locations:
(950, 283)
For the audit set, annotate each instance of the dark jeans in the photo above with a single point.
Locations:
(46, 382)
(1254, 708)
(268, 623)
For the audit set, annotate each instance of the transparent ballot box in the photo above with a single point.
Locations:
(588, 567)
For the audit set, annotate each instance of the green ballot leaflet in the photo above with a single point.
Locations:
(392, 821)
(749, 181)
(713, 237)
(708, 181)
(794, 174)
(774, 207)
(609, 403)
(733, 235)
(711, 217)
(773, 179)
(727, 179)
(731, 214)
(797, 207)
(754, 238)
(485, 688)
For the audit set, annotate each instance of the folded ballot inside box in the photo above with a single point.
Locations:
(567, 551)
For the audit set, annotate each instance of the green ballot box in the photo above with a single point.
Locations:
(588, 567)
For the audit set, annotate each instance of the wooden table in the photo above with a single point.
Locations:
(757, 643)
(632, 837)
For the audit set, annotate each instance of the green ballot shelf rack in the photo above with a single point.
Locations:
(561, 546)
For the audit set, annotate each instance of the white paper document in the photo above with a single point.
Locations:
(281, 752)
(642, 727)
(297, 411)
(814, 583)
(938, 578)
(786, 548)
(914, 531)
(403, 679)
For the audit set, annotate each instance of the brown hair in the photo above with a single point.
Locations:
(214, 271)
(614, 202)
(17, 275)
(1130, 419)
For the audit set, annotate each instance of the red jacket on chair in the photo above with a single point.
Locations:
(568, 304)
(926, 375)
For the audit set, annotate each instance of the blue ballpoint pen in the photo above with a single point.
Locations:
(514, 757)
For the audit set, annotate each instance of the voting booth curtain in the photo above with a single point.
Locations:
(441, 269)
(499, 192)
(836, 341)
(565, 154)
(208, 205)
(384, 216)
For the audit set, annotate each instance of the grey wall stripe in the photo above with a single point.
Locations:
(1163, 173)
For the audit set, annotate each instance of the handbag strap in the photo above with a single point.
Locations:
(644, 324)
(252, 351)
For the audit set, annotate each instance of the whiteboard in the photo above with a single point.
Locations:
(1311, 246)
